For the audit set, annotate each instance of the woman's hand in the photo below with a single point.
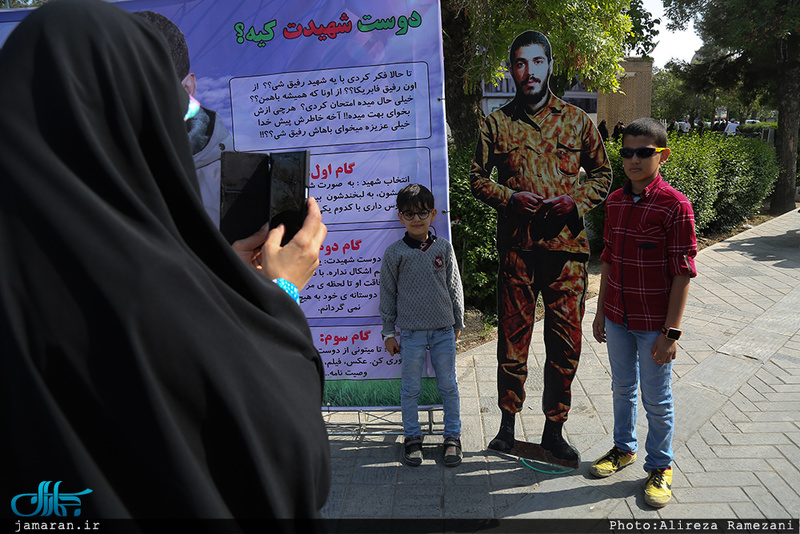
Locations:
(299, 258)
(249, 248)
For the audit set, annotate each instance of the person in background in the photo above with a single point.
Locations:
(603, 129)
(207, 134)
(701, 126)
(618, 130)
(143, 365)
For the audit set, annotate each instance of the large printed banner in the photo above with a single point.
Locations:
(360, 84)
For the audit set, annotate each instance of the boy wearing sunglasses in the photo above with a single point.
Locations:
(648, 260)
(421, 295)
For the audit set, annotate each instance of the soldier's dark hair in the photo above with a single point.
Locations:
(527, 38)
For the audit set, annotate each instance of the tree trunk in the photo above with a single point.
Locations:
(783, 196)
(462, 102)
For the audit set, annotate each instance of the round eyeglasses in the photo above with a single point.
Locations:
(409, 215)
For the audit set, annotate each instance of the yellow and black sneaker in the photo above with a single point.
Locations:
(658, 490)
(613, 461)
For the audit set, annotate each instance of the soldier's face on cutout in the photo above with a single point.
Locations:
(531, 72)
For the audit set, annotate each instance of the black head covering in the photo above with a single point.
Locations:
(139, 357)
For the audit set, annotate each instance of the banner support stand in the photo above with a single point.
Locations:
(377, 421)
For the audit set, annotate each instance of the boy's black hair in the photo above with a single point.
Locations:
(647, 127)
(414, 196)
(528, 38)
(175, 40)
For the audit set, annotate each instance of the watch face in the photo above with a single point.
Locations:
(672, 333)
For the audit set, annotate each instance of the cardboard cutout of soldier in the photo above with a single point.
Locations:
(538, 144)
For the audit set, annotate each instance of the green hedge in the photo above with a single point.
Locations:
(595, 218)
(474, 228)
(755, 130)
(746, 175)
(726, 178)
(693, 169)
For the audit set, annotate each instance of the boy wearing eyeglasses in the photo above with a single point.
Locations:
(648, 259)
(421, 295)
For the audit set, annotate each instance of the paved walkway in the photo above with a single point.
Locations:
(737, 394)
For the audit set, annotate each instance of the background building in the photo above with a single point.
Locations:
(634, 99)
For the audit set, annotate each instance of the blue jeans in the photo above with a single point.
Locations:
(442, 346)
(632, 366)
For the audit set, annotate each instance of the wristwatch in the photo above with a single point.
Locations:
(671, 333)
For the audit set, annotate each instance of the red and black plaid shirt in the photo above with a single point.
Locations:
(647, 242)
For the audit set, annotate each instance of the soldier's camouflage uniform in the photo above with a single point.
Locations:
(542, 153)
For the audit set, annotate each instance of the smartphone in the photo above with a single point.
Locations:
(244, 193)
(288, 196)
(258, 187)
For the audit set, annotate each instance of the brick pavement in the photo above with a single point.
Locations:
(737, 394)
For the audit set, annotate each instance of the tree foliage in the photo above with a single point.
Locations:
(641, 39)
(714, 77)
(756, 47)
(672, 99)
(585, 36)
(473, 235)
(685, 91)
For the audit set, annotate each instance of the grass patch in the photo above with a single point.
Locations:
(374, 393)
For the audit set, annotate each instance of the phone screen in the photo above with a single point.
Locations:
(289, 191)
(244, 193)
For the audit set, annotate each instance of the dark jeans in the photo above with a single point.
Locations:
(561, 280)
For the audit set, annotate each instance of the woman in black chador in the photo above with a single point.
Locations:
(140, 358)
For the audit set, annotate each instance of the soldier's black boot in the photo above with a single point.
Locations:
(553, 441)
(504, 440)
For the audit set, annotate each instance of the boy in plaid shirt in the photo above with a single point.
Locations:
(648, 260)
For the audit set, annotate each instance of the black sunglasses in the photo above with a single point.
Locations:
(641, 153)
